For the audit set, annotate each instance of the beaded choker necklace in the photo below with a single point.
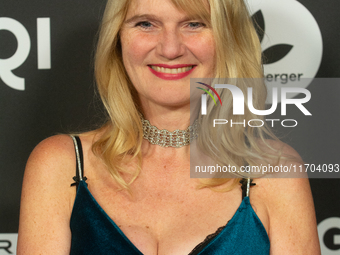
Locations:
(165, 138)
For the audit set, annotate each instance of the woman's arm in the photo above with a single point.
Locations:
(47, 198)
(293, 226)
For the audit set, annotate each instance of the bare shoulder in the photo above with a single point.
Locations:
(55, 159)
(272, 146)
(47, 198)
(290, 207)
(56, 152)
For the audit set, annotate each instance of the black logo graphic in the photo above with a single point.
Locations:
(273, 53)
(329, 239)
(5, 245)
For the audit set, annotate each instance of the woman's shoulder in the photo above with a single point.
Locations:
(284, 176)
(279, 160)
(278, 146)
(47, 198)
(54, 153)
(289, 204)
(54, 158)
(52, 147)
(59, 150)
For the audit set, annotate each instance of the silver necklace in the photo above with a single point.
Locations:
(165, 138)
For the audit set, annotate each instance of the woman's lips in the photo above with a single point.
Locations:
(174, 72)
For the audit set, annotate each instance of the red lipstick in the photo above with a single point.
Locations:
(171, 76)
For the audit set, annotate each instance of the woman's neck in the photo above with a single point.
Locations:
(168, 118)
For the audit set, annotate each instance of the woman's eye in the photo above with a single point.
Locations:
(196, 25)
(144, 24)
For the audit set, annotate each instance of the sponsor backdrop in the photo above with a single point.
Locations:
(46, 87)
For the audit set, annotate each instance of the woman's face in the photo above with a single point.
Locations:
(162, 49)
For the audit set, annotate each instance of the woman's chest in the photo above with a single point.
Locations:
(170, 220)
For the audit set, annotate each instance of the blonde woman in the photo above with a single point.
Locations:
(137, 196)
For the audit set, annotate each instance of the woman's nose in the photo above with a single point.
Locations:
(170, 44)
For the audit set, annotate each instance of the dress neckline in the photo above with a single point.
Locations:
(245, 203)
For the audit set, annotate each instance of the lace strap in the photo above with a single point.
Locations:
(79, 161)
(246, 184)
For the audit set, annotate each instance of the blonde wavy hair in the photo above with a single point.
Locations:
(238, 55)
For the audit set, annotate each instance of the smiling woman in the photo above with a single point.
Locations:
(137, 197)
(162, 49)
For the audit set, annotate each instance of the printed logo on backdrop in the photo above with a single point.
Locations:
(9, 64)
(291, 43)
(8, 244)
(329, 236)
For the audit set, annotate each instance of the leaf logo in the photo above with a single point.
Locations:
(273, 53)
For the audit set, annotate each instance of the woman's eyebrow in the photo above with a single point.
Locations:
(141, 17)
